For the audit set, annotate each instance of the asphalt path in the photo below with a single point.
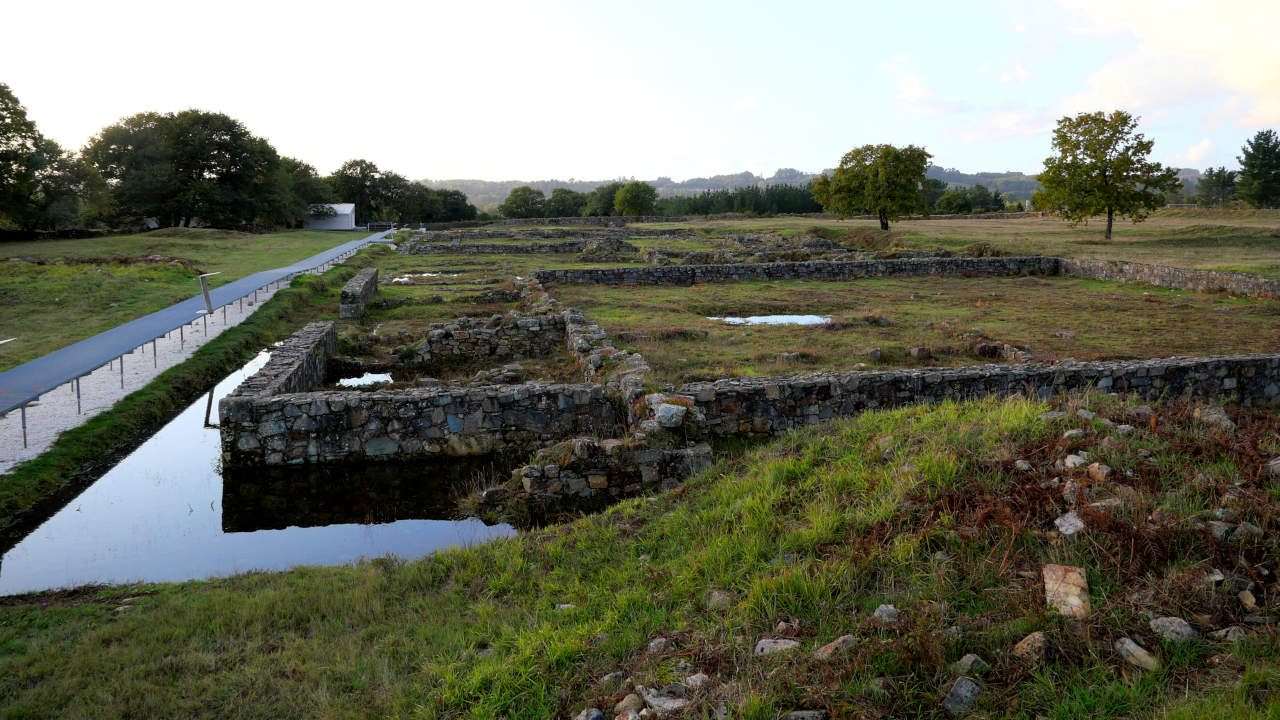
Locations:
(27, 382)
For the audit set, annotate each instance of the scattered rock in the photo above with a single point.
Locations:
(590, 714)
(719, 600)
(566, 607)
(630, 703)
(784, 626)
(612, 682)
(839, 646)
(669, 415)
(1219, 529)
(1066, 589)
(695, 682)
(807, 715)
(921, 353)
(1108, 505)
(658, 645)
(1174, 629)
(1246, 531)
(1273, 467)
(874, 354)
(666, 700)
(1136, 655)
(1259, 619)
(1229, 634)
(1247, 601)
(1022, 466)
(886, 614)
(1069, 524)
(1099, 472)
(1214, 416)
(961, 697)
(1073, 434)
(769, 646)
(1226, 515)
(1128, 430)
(1031, 649)
(970, 664)
(1073, 461)
(1051, 415)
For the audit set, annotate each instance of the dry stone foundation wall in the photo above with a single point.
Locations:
(297, 365)
(346, 426)
(358, 291)
(1173, 277)
(512, 335)
(809, 270)
(773, 405)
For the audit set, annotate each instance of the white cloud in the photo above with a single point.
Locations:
(746, 102)
(1016, 75)
(919, 99)
(1006, 124)
(893, 64)
(1187, 52)
(1195, 155)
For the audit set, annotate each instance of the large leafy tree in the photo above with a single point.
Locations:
(358, 182)
(1101, 166)
(882, 180)
(22, 157)
(600, 201)
(133, 156)
(1217, 187)
(566, 203)
(635, 198)
(455, 206)
(524, 202)
(1260, 170)
(217, 169)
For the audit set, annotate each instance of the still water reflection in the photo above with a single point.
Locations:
(161, 515)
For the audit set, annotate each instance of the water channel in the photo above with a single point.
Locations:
(164, 513)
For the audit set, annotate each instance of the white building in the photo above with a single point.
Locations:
(343, 219)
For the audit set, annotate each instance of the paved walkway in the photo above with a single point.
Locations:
(28, 382)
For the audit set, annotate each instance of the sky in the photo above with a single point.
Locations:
(595, 90)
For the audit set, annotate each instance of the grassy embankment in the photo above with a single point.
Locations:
(1053, 317)
(77, 294)
(83, 452)
(1240, 240)
(919, 507)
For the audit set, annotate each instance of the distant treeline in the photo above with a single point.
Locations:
(185, 168)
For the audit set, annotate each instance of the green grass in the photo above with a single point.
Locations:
(669, 325)
(50, 306)
(1246, 241)
(84, 451)
(818, 528)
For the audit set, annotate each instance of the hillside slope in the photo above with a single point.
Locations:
(926, 509)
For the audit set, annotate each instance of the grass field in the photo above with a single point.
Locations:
(920, 507)
(1245, 241)
(1053, 317)
(50, 306)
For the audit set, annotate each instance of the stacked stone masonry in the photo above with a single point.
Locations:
(1173, 277)
(296, 365)
(344, 426)
(810, 270)
(585, 467)
(773, 405)
(514, 335)
(358, 291)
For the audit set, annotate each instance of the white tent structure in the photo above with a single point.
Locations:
(344, 218)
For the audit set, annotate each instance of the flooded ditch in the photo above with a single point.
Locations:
(165, 513)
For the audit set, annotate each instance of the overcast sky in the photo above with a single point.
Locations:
(534, 90)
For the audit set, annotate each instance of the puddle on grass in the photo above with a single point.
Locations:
(774, 320)
(165, 514)
(366, 380)
(408, 278)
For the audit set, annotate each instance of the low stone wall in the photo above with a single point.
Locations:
(769, 406)
(514, 335)
(607, 221)
(346, 426)
(586, 467)
(1173, 277)
(810, 270)
(297, 365)
(358, 291)
(472, 248)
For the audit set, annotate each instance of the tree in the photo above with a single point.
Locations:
(23, 156)
(880, 179)
(566, 203)
(1101, 166)
(954, 202)
(635, 198)
(455, 206)
(1217, 187)
(357, 182)
(133, 157)
(601, 200)
(524, 202)
(1260, 170)
(933, 190)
